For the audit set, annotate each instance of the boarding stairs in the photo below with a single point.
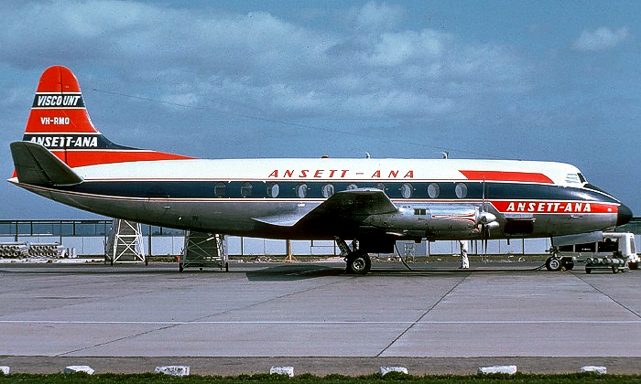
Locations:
(204, 250)
(125, 243)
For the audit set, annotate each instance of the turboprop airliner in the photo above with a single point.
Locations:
(372, 203)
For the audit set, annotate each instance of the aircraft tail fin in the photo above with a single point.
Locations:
(59, 122)
(36, 165)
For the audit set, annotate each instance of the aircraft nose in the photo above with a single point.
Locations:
(624, 215)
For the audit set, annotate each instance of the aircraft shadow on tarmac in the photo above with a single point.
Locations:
(290, 272)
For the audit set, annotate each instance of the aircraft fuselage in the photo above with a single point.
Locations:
(435, 200)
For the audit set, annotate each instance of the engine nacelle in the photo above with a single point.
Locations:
(434, 221)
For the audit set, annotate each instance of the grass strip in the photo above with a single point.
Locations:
(81, 378)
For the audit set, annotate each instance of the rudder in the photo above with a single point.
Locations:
(58, 107)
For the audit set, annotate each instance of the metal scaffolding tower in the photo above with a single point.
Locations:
(203, 250)
(125, 243)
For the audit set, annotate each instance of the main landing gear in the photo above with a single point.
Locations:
(358, 262)
(556, 262)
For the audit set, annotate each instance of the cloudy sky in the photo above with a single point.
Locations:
(531, 80)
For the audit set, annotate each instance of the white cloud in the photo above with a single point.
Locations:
(600, 39)
(397, 48)
(374, 16)
(257, 63)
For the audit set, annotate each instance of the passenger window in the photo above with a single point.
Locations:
(272, 190)
(433, 190)
(380, 186)
(246, 189)
(461, 190)
(220, 189)
(328, 190)
(406, 190)
(301, 190)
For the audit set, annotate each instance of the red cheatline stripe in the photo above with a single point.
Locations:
(507, 176)
(83, 158)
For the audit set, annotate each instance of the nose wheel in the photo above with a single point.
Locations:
(553, 264)
(556, 262)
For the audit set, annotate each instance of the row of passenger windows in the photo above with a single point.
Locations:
(302, 190)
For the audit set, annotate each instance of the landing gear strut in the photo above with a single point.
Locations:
(358, 262)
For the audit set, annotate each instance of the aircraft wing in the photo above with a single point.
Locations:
(345, 204)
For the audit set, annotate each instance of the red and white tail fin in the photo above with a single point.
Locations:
(59, 121)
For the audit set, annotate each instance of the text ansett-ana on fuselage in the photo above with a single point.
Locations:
(376, 202)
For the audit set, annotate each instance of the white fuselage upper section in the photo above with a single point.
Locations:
(292, 169)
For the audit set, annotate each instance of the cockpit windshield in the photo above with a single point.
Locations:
(575, 178)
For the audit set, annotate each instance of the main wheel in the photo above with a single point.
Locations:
(358, 263)
(553, 264)
(633, 265)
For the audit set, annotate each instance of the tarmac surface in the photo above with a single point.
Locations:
(434, 319)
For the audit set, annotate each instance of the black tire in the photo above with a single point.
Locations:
(359, 263)
(553, 264)
(588, 270)
(633, 265)
(567, 263)
(615, 270)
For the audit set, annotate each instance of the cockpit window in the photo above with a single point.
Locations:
(573, 178)
(583, 179)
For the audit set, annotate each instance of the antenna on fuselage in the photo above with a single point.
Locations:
(367, 155)
(445, 154)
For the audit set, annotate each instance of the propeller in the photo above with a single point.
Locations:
(485, 220)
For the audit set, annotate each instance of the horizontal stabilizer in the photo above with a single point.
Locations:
(36, 165)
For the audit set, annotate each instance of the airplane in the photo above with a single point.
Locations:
(371, 202)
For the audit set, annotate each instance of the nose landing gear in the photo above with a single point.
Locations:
(556, 262)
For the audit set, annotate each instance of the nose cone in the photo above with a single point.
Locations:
(624, 215)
